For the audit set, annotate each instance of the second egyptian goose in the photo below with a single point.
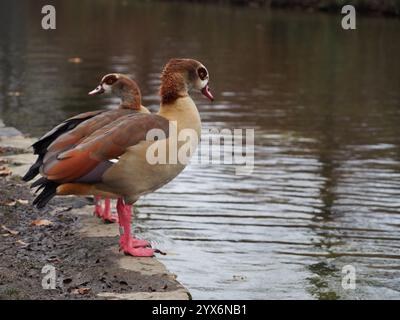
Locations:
(128, 91)
(86, 168)
(73, 130)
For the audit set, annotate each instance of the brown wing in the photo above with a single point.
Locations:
(68, 133)
(64, 126)
(83, 130)
(107, 143)
(40, 146)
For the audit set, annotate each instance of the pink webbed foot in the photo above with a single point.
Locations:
(128, 244)
(135, 251)
(134, 243)
(108, 216)
(112, 218)
(104, 213)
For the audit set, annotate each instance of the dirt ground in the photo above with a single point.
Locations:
(85, 266)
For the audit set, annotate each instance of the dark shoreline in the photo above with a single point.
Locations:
(384, 8)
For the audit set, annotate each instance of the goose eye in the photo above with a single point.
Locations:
(202, 72)
(110, 80)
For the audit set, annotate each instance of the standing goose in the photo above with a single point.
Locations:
(71, 131)
(129, 93)
(85, 168)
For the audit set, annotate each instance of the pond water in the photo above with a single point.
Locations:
(325, 106)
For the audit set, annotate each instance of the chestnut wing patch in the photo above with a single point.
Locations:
(106, 143)
(40, 147)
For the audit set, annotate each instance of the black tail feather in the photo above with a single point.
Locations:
(33, 170)
(47, 193)
(39, 182)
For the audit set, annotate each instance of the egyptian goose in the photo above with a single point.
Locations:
(85, 168)
(129, 93)
(74, 129)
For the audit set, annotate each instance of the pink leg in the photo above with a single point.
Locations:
(98, 210)
(127, 243)
(108, 217)
(136, 243)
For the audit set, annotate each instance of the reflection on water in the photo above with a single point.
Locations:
(325, 105)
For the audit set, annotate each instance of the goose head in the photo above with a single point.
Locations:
(121, 86)
(182, 75)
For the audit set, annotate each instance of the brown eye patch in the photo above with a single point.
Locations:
(202, 72)
(110, 80)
